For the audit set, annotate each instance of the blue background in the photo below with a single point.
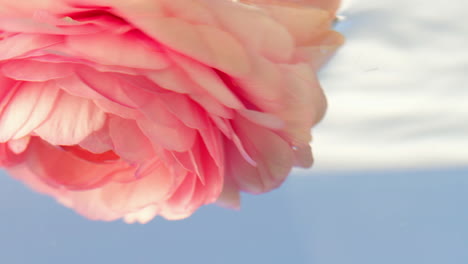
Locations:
(324, 218)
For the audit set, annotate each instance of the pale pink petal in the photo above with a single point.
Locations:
(112, 86)
(118, 109)
(212, 106)
(258, 32)
(71, 120)
(27, 109)
(43, 22)
(329, 5)
(18, 146)
(173, 79)
(181, 199)
(21, 44)
(99, 141)
(74, 86)
(142, 216)
(304, 24)
(89, 204)
(150, 189)
(304, 101)
(264, 119)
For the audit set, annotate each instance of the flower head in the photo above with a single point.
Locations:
(132, 109)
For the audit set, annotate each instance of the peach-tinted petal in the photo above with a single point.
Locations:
(273, 156)
(127, 50)
(208, 80)
(230, 196)
(257, 31)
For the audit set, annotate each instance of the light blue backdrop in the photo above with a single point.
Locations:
(380, 217)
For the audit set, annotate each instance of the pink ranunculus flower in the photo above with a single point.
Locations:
(132, 109)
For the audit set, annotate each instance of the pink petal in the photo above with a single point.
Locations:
(184, 109)
(129, 50)
(112, 86)
(178, 138)
(192, 193)
(208, 80)
(191, 160)
(34, 71)
(182, 198)
(21, 44)
(57, 167)
(9, 158)
(212, 139)
(128, 140)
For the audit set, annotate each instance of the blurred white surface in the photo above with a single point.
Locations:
(398, 89)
